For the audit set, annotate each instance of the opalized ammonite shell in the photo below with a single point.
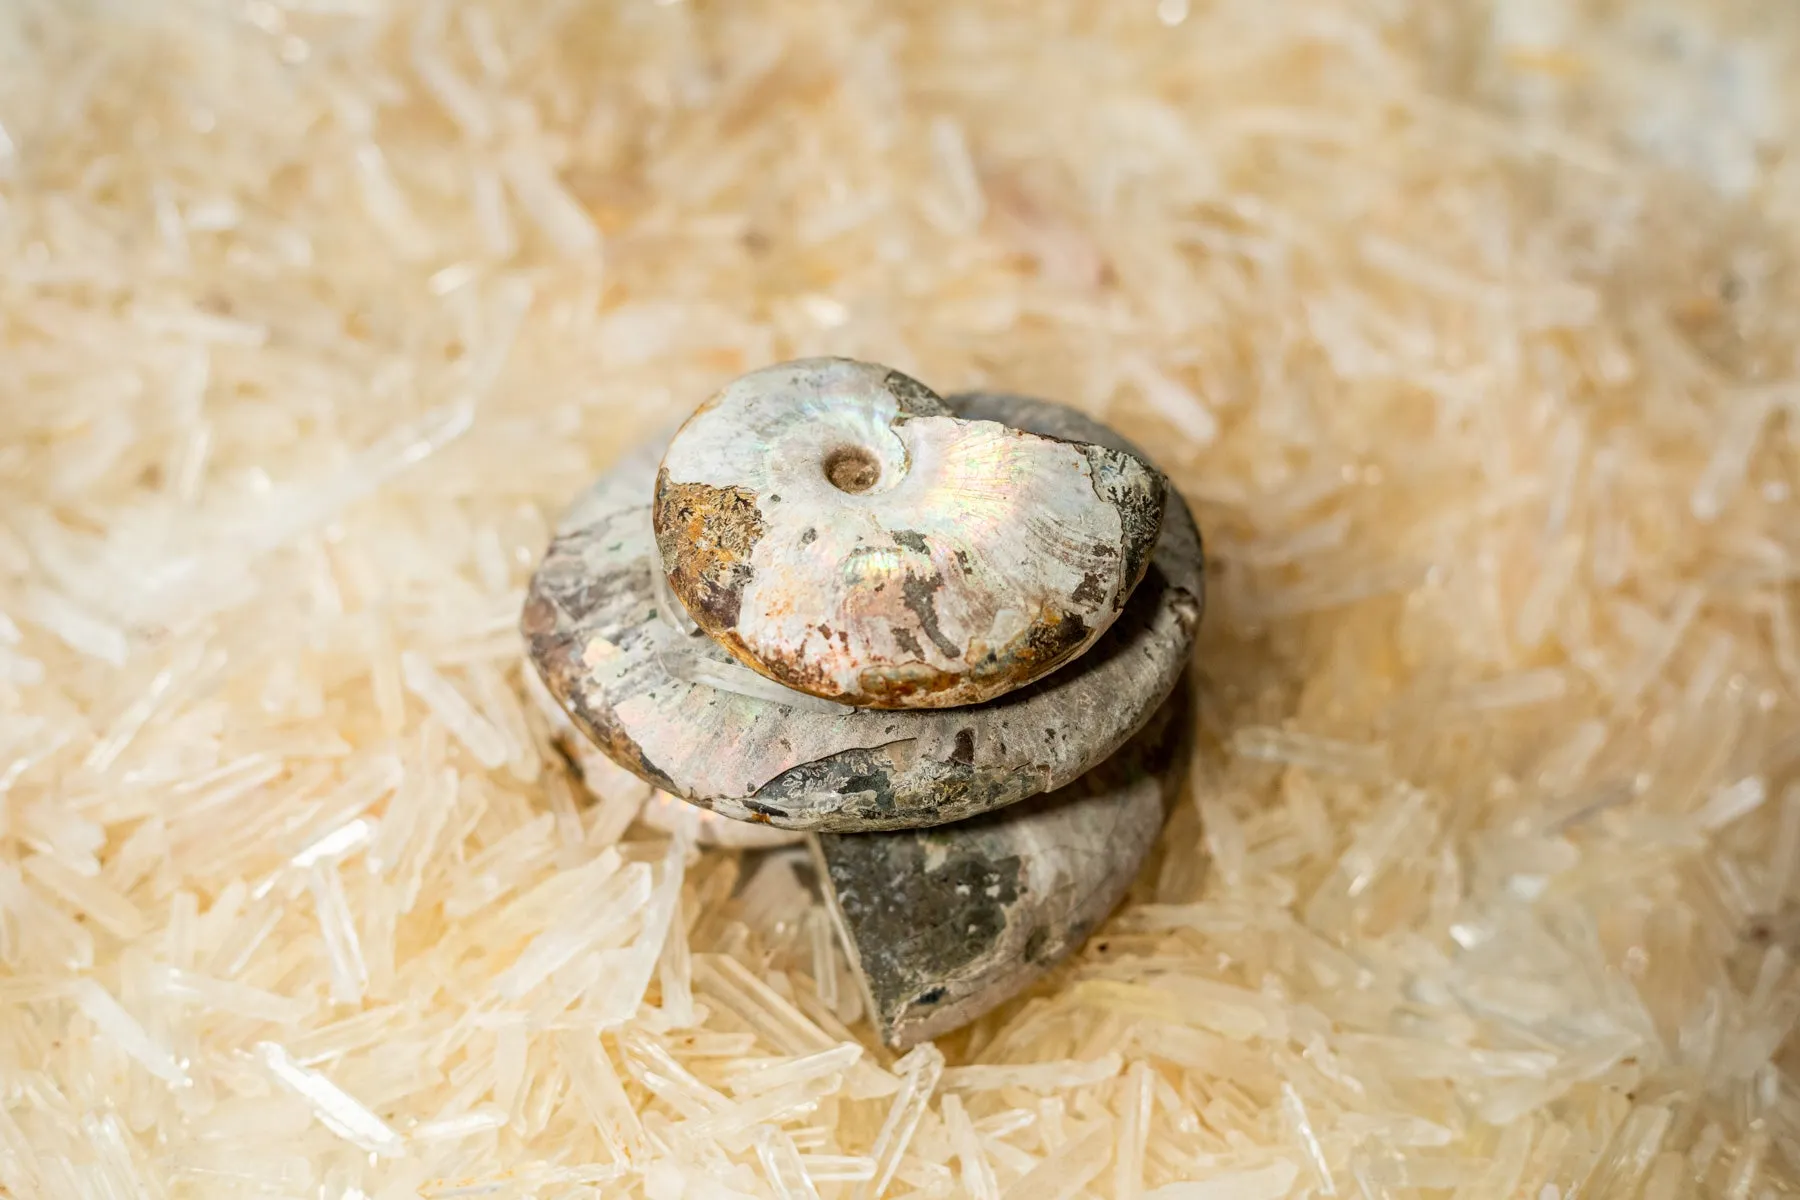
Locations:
(835, 527)
(671, 706)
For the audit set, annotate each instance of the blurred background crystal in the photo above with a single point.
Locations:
(1469, 329)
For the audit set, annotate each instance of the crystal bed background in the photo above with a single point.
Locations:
(1469, 330)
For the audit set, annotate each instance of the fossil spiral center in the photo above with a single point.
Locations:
(852, 469)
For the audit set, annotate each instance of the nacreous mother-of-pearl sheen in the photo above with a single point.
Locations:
(837, 528)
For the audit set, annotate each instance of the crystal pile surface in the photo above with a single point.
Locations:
(1469, 331)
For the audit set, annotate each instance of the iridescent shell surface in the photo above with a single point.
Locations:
(834, 526)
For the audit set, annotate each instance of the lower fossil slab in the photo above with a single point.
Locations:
(945, 923)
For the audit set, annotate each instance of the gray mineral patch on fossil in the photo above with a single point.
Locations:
(667, 703)
(944, 924)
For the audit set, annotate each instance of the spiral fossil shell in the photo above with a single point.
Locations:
(838, 529)
(602, 637)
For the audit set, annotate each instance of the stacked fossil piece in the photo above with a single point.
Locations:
(943, 640)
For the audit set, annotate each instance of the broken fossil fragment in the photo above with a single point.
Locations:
(836, 527)
(667, 703)
(943, 924)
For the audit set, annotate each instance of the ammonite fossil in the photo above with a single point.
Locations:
(979, 769)
(670, 704)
